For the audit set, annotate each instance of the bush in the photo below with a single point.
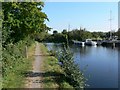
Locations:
(72, 72)
(14, 64)
(52, 53)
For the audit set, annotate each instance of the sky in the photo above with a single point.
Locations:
(119, 15)
(80, 0)
(94, 16)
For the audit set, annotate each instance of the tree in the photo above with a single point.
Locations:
(22, 19)
(40, 36)
(64, 31)
(55, 32)
(118, 33)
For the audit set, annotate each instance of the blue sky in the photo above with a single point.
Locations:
(94, 16)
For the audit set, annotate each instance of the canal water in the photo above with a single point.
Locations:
(99, 64)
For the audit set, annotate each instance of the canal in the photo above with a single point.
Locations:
(99, 64)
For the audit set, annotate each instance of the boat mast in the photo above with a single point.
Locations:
(68, 27)
(110, 24)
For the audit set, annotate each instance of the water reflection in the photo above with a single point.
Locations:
(101, 62)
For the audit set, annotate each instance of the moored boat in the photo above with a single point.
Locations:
(90, 42)
(78, 43)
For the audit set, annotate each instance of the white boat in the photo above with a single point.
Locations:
(79, 43)
(90, 42)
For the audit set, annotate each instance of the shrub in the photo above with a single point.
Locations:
(14, 64)
(52, 53)
(71, 70)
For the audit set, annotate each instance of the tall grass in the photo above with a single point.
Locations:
(14, 64)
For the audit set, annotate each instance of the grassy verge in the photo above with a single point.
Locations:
(31, 52)
(14, 66)
(53, 74)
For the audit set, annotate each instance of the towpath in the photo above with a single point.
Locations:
(34, 77)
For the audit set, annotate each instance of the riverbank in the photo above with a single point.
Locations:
(45, 71)
(53, 74)
(90, 60)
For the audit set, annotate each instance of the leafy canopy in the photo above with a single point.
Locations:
(22, 19)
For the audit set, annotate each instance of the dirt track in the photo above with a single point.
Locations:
(34, 77)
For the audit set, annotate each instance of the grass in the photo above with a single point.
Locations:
(14, 76)
(53, 74)
(31, 52)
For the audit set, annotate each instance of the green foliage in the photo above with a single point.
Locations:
(75, 34)
(22, 19)
(40, 36)
(53, 74)
(55, 32)
(74, 76)
(64, 31)
(14, 64)
(20, 0)
(20, 22)
(118, 33)
(52, 53)
(58, 37)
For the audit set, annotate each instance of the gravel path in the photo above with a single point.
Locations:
(35, 77)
